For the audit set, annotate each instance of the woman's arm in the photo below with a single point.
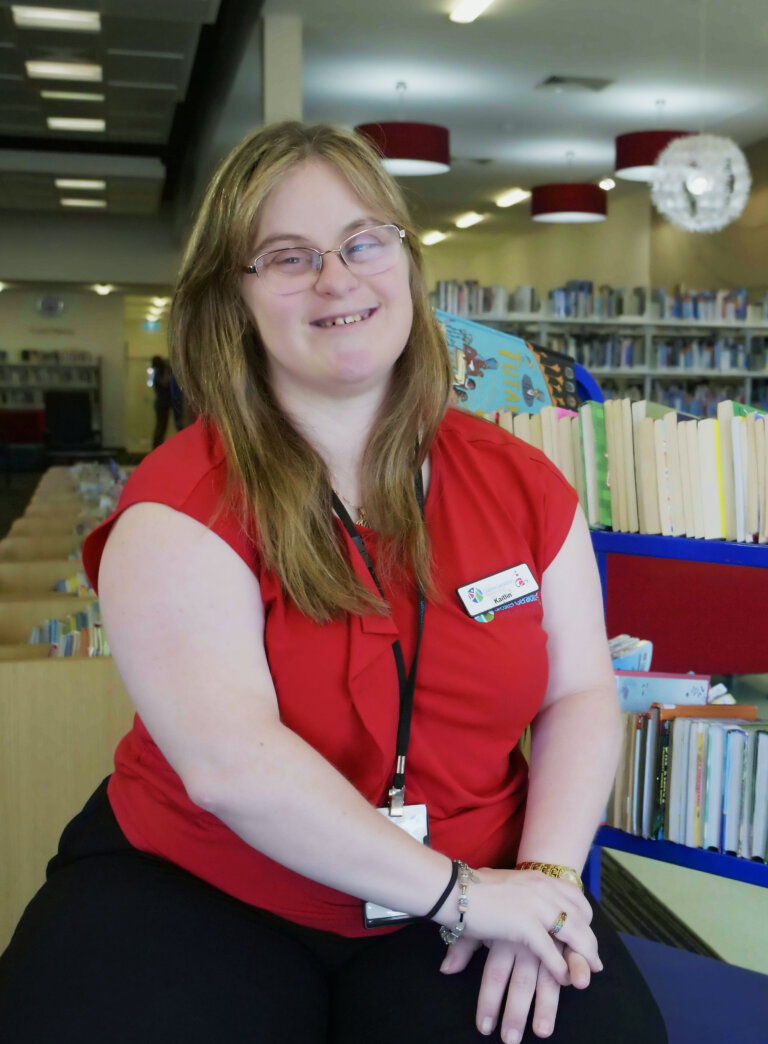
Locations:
(575, 736)
(185, 621)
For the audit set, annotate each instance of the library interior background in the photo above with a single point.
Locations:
(603, 195)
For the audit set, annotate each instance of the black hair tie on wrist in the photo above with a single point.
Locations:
(446, 892)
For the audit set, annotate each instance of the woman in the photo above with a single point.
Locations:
(281, 583)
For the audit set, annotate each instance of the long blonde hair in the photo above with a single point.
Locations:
(275, 475)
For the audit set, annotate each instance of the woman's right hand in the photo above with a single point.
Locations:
(522, 907)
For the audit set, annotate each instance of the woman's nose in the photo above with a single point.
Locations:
(335, 276)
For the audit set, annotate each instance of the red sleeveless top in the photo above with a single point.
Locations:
(493, 502)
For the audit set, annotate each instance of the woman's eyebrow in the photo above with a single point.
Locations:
(295, 237)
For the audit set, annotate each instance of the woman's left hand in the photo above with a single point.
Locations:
(512, 970)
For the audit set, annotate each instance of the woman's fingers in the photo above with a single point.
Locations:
(459, 955)
(522, 987)
(580, 971)
(499, 964)
(577, 936)
(545, 1006)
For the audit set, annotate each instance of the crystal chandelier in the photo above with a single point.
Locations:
(701, 182)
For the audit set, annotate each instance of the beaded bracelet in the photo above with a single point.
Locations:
(450, 935)
(446, 891)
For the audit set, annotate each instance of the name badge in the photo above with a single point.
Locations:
(497, 591)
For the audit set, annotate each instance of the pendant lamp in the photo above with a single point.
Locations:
(702, 182)
(569, 203)
(409, 149)
(637, 152)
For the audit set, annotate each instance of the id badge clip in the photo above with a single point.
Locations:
(413, 819)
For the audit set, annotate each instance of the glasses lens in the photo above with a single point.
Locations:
(290, 269)
(372, 251)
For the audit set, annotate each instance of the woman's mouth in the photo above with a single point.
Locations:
(344, 320)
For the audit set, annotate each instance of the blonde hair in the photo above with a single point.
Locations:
(275, 475)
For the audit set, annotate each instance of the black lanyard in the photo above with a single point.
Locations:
(407, 682)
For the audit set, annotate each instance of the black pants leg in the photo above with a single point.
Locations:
(122, 947)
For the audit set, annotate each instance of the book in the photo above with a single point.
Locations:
(691, 434)
(711, 479)
(647, 487)
(739, 450)
(630, 654)
(493, 370)
(725, 413)
(597, 478)
(650, 779)
(759, 834)
(578, 461)
(674, 826)
(614, 444)
(735, 745)
(752, 513)
(625, 420)
(713, 787)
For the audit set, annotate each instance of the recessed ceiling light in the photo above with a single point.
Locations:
(607, 184)
(469, 10)
(430, 238)
(515, 195)
(56, 18)
(87, 184)
(71, 96)
(75, 123)
(160, 302)
(87, 203)
(3, 286)
(102, 289)
(467, 220)
(44, 70)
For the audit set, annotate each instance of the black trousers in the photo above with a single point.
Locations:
(122, 947)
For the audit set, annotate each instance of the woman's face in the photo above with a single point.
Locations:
(314, 206)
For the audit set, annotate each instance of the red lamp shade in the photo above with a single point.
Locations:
(410, 148)
(637, 152)
(569, 203)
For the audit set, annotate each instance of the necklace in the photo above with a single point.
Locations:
(362, 518)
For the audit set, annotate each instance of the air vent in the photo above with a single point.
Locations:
(560, 84)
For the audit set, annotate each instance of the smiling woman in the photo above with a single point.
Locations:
(254, 868)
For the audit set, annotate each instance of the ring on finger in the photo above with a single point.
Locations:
(558, 923)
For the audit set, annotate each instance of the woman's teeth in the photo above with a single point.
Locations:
(344, 320)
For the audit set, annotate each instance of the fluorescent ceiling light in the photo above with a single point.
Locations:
(467, 220)
(56, 18)
(469, 10)
(44, 70)
(88, 203)
(75, 123)
(430, 238)
(160, 302)
(515, 195)
(607, 184)
(71, 96)
(102, 289)
(3, 286)
(87, 184)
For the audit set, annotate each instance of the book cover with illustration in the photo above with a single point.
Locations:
(493, 370)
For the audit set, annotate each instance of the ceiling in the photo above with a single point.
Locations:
(669, 63)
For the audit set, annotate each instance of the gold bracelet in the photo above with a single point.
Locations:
(466, 875)
(565, 873)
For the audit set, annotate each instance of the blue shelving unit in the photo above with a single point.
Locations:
(746, 870)
(721, 552)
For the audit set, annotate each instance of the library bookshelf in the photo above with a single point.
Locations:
(734, 352)
(718, 552)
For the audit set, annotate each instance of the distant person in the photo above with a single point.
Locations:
(161, 385)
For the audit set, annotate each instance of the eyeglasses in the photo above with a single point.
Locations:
(293, 269)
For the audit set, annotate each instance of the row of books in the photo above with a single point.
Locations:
(582, 299)
(76, 634)
(694, 775)
(76, 584)
(628, 351)
(57, 355)
(639, 467)
(48, 376)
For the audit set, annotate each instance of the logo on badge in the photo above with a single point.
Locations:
(475, 594)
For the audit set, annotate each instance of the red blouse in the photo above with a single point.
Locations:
(493, 502)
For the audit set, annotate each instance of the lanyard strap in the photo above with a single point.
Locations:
(406, 682)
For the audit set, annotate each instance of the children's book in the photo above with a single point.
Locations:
(493, 370)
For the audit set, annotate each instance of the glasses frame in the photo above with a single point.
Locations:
(254, 268)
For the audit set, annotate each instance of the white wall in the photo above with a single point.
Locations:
(87, 322)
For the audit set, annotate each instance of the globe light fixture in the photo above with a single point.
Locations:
(701, 182)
